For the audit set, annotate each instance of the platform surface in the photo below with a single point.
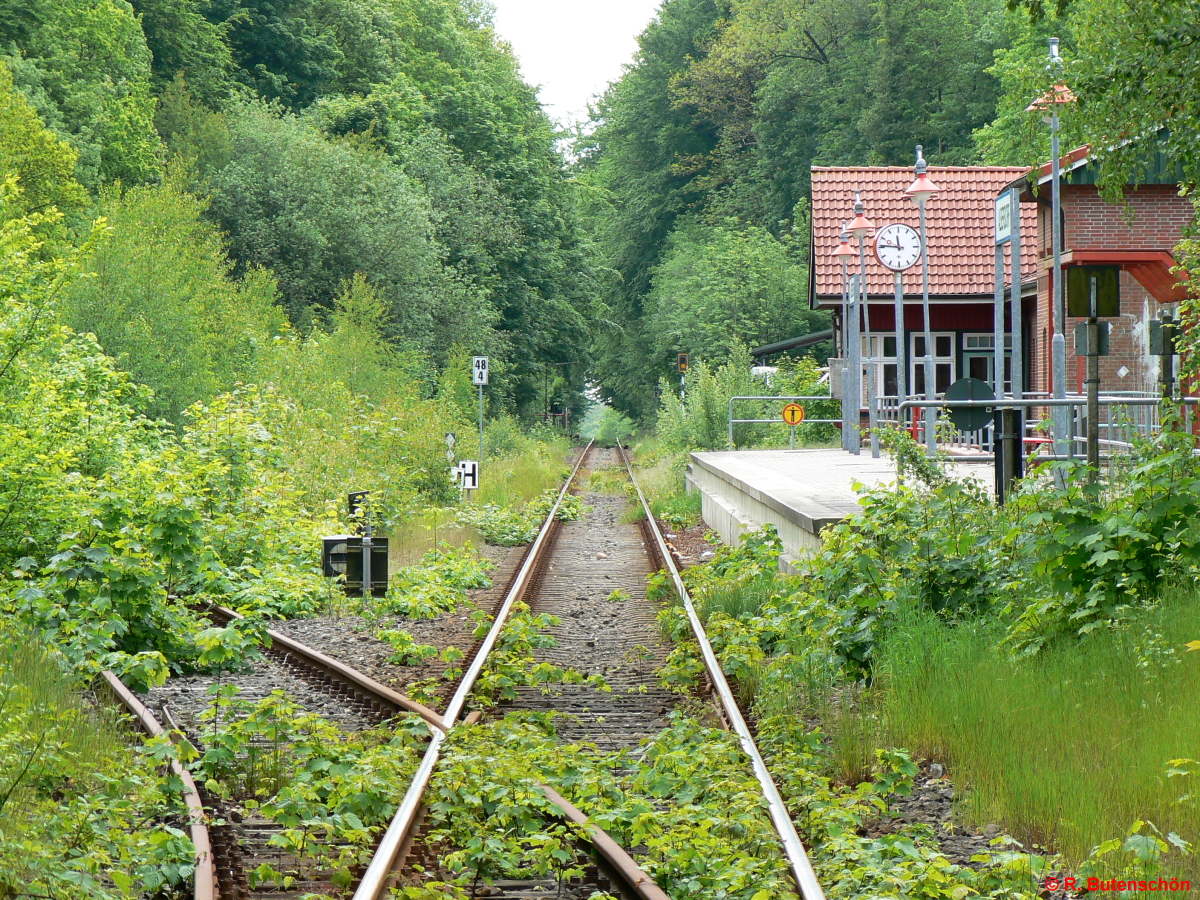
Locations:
(812, 488)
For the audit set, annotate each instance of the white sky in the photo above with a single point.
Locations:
(572, 48)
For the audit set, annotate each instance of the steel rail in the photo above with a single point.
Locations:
(802, 870)
(342, 672)
(375, 880)
(204, 879)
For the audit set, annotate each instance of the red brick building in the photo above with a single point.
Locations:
(961, 236)
(1139, 236)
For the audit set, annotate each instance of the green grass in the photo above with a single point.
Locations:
(78, 809)
(427, 531)
(506, 481)
(736, 599)
(1068, 749)
(517, 479)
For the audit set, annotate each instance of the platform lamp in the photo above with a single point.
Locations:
(845, 253)
(861, 227)
(920, 192)
(1048, 105)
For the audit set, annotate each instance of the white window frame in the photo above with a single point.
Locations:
(915, 361)
(876, 343)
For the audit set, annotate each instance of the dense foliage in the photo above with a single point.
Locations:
(391, 140)
(931, 611)
(75, 799)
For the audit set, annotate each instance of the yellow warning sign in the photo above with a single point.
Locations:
(793, 414)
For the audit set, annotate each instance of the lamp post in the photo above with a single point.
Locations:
(1048, 105)
(920, 192)
(860, 227)
(844, 253)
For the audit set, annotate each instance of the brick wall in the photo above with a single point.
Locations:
(1154, 220)
(1158, 217)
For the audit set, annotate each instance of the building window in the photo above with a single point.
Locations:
(979, 358)
(943, 362)
(882, 348)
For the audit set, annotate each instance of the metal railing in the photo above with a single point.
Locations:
(778, 420)
(1140, 414)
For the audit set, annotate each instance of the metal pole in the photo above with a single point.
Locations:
(930, 413)
(901, 374)
(1168, 357)
(845, 356)
(1093, 387)
(1058, 316)
(366, 552)
(852, 389)
(998, 326)
(1018, 325)
(481, 428)
(793, 438)
(872, 387)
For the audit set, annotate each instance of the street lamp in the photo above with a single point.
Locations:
(849, 428)
(1048, 104)
(860, 228)
(920, 192)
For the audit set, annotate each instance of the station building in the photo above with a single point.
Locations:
(1138, 236)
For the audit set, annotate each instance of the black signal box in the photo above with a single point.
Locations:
(1108, 291)
(342, 555)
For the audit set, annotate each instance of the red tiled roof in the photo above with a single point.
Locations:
(960, 222)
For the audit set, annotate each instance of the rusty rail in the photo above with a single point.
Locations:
(381, 694)
(389, 856)
(802, 870)
(205, 877)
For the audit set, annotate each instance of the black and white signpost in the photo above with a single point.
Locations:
(479, 377)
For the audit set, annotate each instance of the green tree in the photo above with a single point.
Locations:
(183, 42)
(281, 48)
(43, 164)
(86, 69)
(722, 287)
(635, 191)
(318, 211)
(931, 83)
(161, 302)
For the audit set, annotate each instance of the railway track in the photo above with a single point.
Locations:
(230, 845)
(591, 575)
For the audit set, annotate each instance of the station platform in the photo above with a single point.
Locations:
(798, 491)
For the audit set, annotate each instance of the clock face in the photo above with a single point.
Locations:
(898, 247)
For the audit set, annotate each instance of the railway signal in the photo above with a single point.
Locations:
(682, 362)
(467, 473)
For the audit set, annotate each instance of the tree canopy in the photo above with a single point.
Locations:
(727, 105)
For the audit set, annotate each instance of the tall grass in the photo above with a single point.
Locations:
(50, 739)
(529, 467)
(535, 467)
(1067, 749)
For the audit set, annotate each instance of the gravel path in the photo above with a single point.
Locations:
(187, 696)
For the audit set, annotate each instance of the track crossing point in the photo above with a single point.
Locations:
(793, 414)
